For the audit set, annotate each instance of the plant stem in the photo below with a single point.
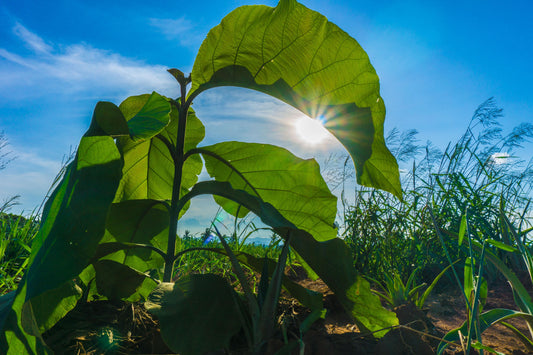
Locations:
(178, 157)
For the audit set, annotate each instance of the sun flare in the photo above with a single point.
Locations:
(310, 130)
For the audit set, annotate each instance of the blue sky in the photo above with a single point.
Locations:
(437, 61)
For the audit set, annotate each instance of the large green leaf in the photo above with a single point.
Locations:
(108, 120)
(72, 225)
(14, 340)
(130, 224)
(292, 185)
(197, 314)
(330, 259)
(50, 307)
(74, 216)
(78, 224)
(19, 330)
(297, 56)
(117, 281)
(151, 119)
(139, 222)
(149, 165)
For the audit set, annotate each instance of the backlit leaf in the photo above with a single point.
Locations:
(292, 185)
(14, 340)
(298, 56)
(148, 165)
(51, 306)
(150, 119)
(140, 222)
(75, 215)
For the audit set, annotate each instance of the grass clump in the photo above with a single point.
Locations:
(16, 236)
(480, 173)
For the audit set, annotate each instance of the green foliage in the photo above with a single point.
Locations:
(109, 228)
(16, 236)
(395, 292)
(198, 313)
(486, 320)
(293, 185)
(298, 56)
(386, 234)
(475, 291)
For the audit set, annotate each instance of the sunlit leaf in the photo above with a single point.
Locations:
(298, 56)
(72, 225)
(153, 116)
(14, 340)
(292, 185)
(148, 165)
(51, 306)
(108, 120)
(462, 230)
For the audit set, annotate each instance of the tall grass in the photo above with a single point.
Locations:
(474, 175)
(18, 232)
(16, 236)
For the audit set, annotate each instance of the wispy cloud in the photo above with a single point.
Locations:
(30, 176)
(250, 116)
(180, 29)
(81, 67)
(32, 41)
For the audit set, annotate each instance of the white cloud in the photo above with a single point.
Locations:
(180, 29)
(250, 116)
(81, 67)
(500, 158)
(30, 175)
(33, 41)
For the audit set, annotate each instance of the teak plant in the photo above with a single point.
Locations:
(110, 226)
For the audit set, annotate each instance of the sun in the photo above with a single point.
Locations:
(310, 130)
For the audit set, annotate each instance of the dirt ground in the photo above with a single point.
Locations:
(120, 328)
(444, 311)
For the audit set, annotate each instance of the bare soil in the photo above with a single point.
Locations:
(122, 328)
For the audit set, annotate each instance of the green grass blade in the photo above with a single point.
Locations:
(268, 312)
(422, 300)
(486, 319)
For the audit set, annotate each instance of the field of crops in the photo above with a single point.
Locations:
(456, 251)
(431, 252)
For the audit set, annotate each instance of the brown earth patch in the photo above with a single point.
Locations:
(123, 328)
